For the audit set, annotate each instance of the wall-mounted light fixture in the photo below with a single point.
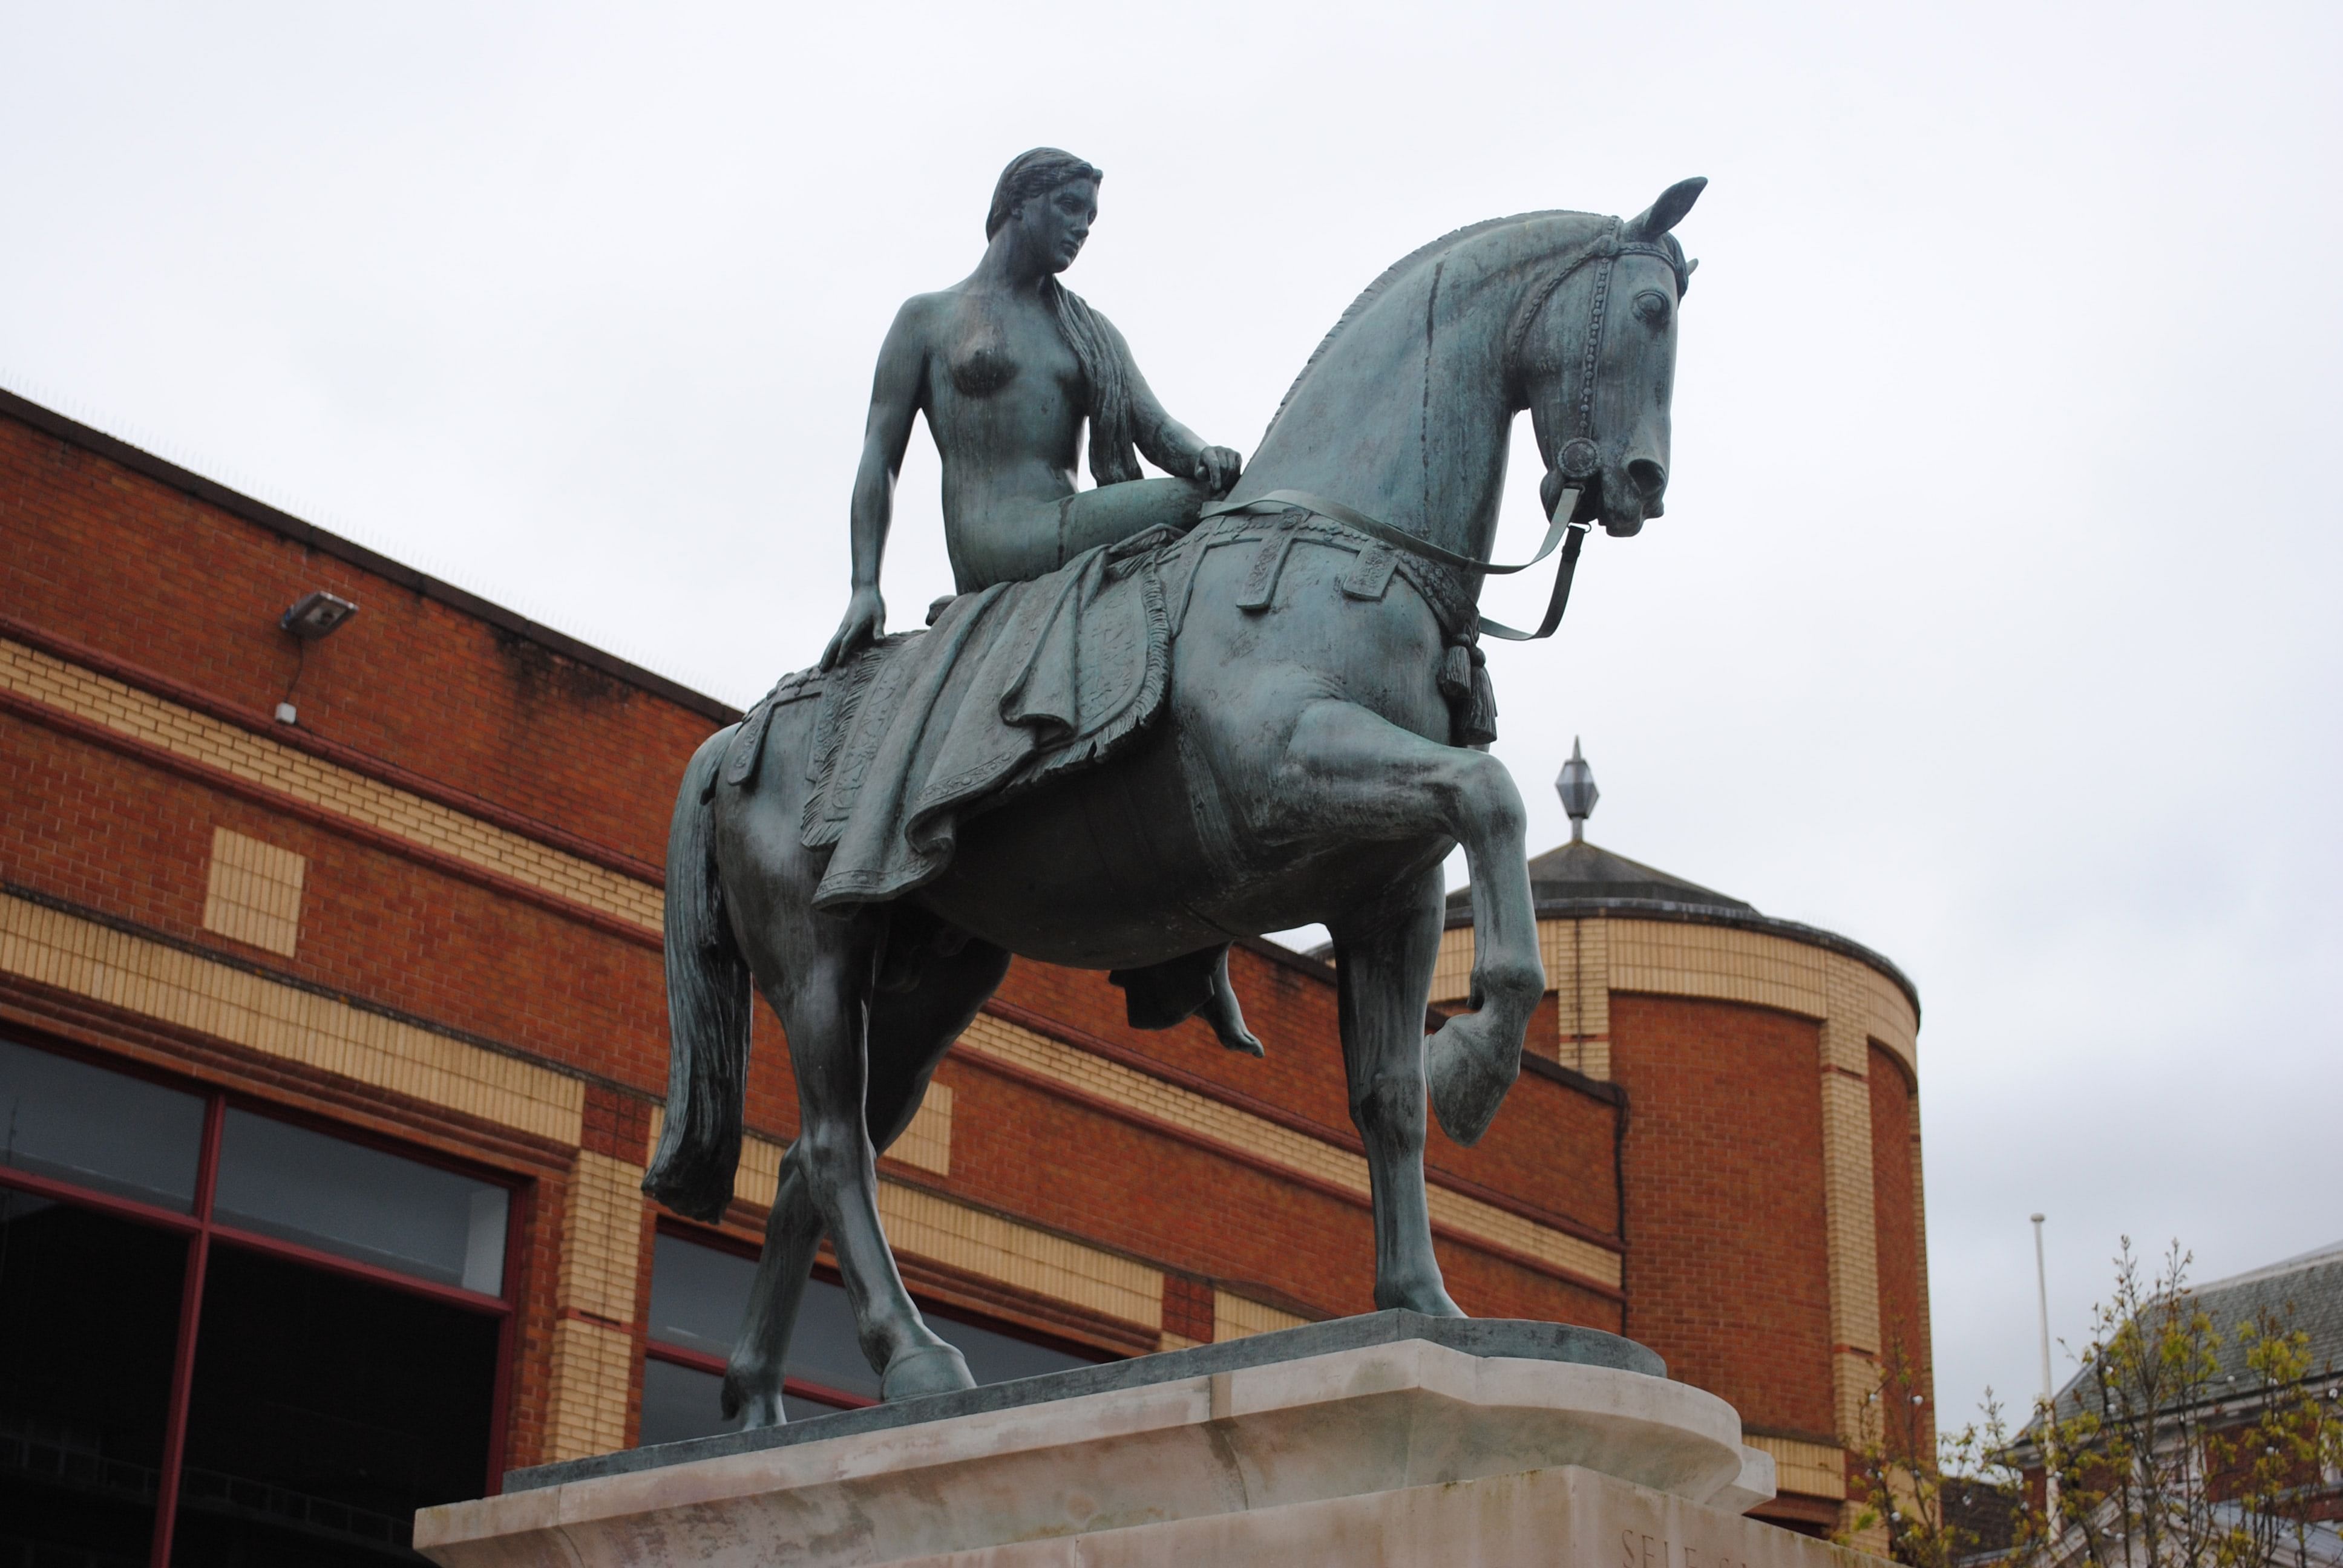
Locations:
(317, 614)
(314, 615)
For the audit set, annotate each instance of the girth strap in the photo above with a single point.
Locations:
(1399, 538)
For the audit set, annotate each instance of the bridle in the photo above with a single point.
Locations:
(1575, 460)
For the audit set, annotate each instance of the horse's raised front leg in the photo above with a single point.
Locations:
(908, 1034)
(824, 1002)
(1383, 959)
(1349, 773)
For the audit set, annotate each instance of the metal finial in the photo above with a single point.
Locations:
(1575, 785)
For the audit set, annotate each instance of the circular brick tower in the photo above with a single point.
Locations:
(1769, 1159)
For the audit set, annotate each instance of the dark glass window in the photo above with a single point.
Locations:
(396, 1213)
(699, 1296)
(105, 1130)
(325, 1411)
(313, 1401)
(679, 1401)
(89, 1317)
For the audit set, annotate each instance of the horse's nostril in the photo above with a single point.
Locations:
(1647, 476)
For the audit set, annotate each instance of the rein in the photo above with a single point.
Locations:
(1576, 461)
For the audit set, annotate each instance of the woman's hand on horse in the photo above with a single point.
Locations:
(865, 621)
(1217, 469)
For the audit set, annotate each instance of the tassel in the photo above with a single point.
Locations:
(1456, 674)
(1479, 724)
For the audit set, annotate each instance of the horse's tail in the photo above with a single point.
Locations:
(707, 1010)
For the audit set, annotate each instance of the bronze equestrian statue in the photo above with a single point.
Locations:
(1154, 721)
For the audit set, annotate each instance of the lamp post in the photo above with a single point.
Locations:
(2048, 1404)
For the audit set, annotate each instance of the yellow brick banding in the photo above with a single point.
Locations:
(1451, 971)
(252, 892)
(1673, 958)
(927, 1141)
(1586, 959)
(199, 738)
(586, 1414)
(1885, 1010)
(162, 982)
(929, 1225)
(1234, 1317)
(1119, 1085)
(758, 1177)
(1849, 1216)
(1855, 1374)
(1808, 1469)
(1577, 958)
(602, 1237)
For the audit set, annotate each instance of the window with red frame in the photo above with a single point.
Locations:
(699, 1293)
(229, 1338)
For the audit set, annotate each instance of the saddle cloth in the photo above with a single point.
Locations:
(1016, 685)
(1011, 685)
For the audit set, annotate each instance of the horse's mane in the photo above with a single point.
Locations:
(1389, 274)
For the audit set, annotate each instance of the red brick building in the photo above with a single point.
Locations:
(332, 1039)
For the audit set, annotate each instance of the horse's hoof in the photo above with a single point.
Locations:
(1465, 1089)
(1430, 1301)
(924, 1370)
(1237, 1037)
(752, 1406)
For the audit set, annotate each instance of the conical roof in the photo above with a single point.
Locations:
(1578, 872)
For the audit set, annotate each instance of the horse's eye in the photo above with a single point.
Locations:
(1652, 308)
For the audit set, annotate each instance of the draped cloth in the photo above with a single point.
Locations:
(1020, 684)
(1013, 685)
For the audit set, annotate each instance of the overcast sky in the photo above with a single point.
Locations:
(1991, 622)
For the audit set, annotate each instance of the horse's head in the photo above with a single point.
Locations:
(1596, 362)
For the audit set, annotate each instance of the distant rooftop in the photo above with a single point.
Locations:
(2304, 1292)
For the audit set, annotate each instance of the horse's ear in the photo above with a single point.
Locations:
(1664, 214)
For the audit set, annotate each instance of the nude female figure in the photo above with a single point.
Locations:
(1006, 364)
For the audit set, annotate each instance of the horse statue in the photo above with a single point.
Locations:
(1312, 754)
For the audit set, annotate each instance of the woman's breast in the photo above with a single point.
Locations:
(989, 348)
(980, 369)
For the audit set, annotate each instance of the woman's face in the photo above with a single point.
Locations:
(1057, 222)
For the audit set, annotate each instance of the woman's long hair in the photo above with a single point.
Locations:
(1115, 456)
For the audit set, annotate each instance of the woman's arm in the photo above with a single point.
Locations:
(1163, 440)
(895, 396)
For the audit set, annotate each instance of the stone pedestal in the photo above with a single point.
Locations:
(1387, 1439)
